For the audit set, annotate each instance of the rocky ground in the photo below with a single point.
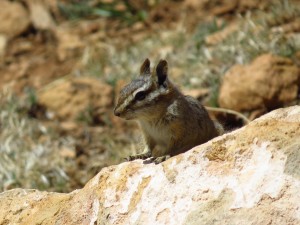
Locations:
(249, 176)
(62, 64)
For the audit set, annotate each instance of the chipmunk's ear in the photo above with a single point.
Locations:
(145, 67)
(162, 71)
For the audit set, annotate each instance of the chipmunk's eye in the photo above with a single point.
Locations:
(140, 96)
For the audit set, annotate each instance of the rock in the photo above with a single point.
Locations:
(70, 44)
(77, 99)
(14, 18)
(269, 82)
(3, 44)
(40, 15)
(249, 176)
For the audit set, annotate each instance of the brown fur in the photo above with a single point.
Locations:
(171, 122)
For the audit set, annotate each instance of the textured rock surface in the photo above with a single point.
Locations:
(249, 176)
(268, 82)
(14, 19)
(77, 98)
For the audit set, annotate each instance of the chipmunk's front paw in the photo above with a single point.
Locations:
(161, 159)
(139, 156)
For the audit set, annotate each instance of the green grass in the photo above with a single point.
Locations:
(127, 13)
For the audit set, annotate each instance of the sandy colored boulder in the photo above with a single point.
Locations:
(267, 83)
(14, 18)
(40, 15)
(249, 176)
(77, 99)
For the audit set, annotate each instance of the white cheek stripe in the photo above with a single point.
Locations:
(144, 87)
(126, 102)
(129, 99)
(155, 94)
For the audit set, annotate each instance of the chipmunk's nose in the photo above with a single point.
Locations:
(116, 112)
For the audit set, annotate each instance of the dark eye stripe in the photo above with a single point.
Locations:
(140, 96)
(143, 94)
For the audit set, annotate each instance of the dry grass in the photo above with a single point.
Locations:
(29, 152)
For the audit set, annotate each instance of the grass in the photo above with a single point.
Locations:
(29, 152)
(31, 155)
(123, 10)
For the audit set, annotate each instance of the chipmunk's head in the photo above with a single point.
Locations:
(145, 95)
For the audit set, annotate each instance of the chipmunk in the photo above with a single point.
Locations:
(171, 122)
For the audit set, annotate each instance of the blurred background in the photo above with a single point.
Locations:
(62, 64)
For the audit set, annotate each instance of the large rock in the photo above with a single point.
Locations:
(77, 99)
(14, 18)
(249, 176)
(267, 83)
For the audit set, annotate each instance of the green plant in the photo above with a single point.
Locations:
(123, 10)
(75, 10)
